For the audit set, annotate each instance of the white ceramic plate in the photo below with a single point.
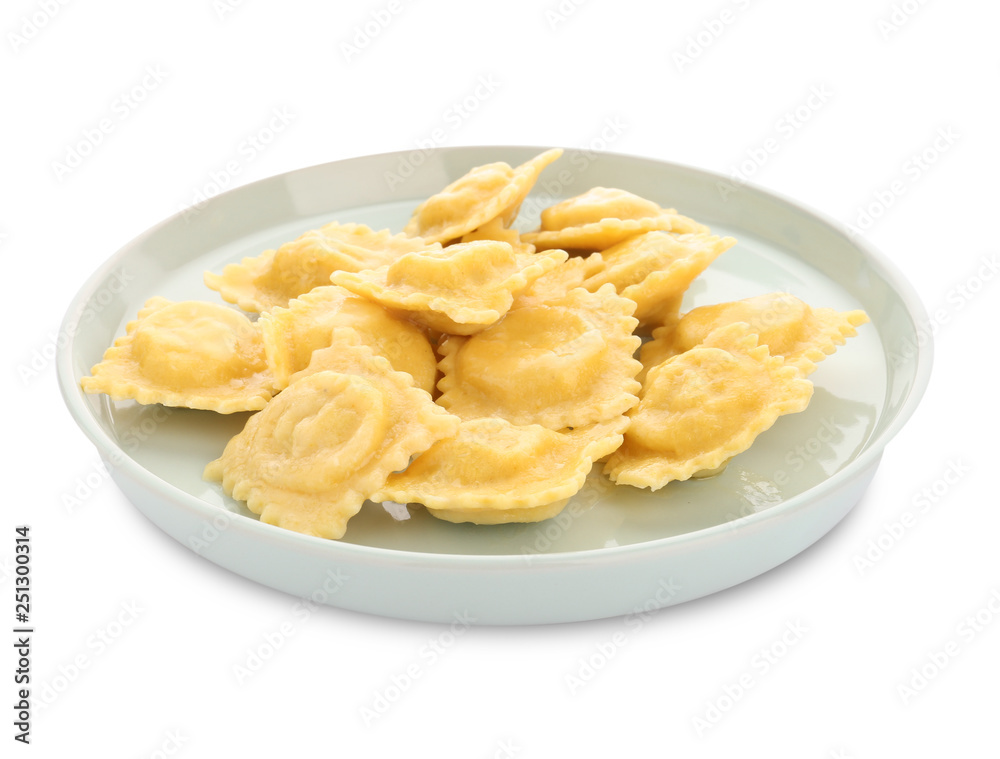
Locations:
(614, 550)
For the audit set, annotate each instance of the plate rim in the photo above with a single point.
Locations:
(128, 467)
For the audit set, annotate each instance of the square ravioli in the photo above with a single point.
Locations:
(459, 290)
(530, 341)
(565, 363)
(603, 217)
(292, 334)
(189, 354)
(702, 407)
(309, 460)
(656, 268)
(801, 334)
(485, 193)
(277, 276)
(494, 472)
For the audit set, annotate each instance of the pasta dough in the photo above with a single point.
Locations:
(310, 459)
(292, 334)
(558, 281)
(602, 217)
(460, 290)
(535, 351)
(789, 327)
(495, 230)
(494, 472)
(485, 193)
(655, 268)
(704, 406)
(566, 363)
(277, 276)
(189, 354)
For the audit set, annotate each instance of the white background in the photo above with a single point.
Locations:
(705, 86)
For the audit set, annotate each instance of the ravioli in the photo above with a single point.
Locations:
(493, 472)
(311, 458)
(277, 276)
(292, 334)
(495, 230)
(558, 281)
(485, 193)
(533, 336)
(700, 408)
(598, 203)
(460, 290)
(803, 335)
(654, 268)
(189, 354)
(566, 363)
(603, 217)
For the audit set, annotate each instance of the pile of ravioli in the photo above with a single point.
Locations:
(472, 368)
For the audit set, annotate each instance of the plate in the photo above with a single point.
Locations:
(614, 550)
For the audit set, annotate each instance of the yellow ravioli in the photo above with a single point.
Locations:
(654, 268)
(276, 276)
(480, 196)
(803, 335)
(558, 281)
(292, 334)
(311, 458)
(566, 363)
(495, 230)
(460, 290)
(188, 354)
(703, 406)
(598, 203)
(602, 217)
(493, 472)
